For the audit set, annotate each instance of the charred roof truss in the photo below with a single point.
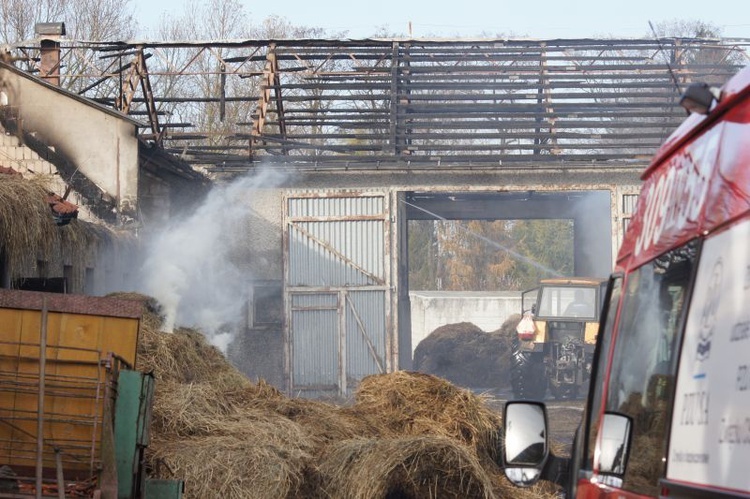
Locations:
(400, 103)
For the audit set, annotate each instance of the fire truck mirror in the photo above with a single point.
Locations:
(525, 445)
(614, 444)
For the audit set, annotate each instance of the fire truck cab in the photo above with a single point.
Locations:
(668, 409)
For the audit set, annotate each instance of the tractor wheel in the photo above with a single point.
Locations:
(528, 376)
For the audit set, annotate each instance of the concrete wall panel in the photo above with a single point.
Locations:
(486, 310)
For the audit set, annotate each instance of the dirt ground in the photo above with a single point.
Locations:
(564, 418)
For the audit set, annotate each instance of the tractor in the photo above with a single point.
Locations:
(554, 345)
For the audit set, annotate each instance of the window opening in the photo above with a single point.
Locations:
(645, 361)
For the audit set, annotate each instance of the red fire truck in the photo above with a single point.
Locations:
(668, 410)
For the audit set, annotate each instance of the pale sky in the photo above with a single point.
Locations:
(516, 18)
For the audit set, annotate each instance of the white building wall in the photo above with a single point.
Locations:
(100, 142)
(486, 310)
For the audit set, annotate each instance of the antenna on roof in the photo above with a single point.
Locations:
(671, 73)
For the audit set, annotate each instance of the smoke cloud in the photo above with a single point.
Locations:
(192, 266)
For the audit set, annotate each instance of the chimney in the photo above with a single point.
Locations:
(49, 64)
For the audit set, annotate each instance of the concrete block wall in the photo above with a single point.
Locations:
(486, 310)
(13, 154)
(24, 160)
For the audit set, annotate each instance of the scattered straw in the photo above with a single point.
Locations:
(28, 232)
(255, 465)
(406, 434)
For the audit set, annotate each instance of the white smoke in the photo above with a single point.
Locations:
(191, 266)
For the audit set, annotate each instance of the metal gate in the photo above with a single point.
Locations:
(337, 291)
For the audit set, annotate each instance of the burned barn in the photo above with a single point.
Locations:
(340, 143)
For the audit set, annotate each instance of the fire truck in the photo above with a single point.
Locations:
(668, 408)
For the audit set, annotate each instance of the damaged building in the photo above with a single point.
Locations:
(78, 185)
(349, 140)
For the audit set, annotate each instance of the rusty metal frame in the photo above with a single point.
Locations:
(83, 454)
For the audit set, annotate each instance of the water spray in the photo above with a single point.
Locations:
(497, 245)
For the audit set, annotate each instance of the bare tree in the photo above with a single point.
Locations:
(224, 80)
(19, 16)
(686, 28)
(710, 63)
(278, 28)
(84, 19)
(99, 20)
(205, 73)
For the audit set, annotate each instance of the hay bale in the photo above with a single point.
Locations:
(416, 404)
(463, 354)
(193, 409)
(418, 466)
(212, 426)
(229, 444)
(406, 433)
(252, 466)
(26, 225)
(326, 423)
(183, 356)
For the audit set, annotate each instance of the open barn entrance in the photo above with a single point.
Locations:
(588, 213)
(499, 242)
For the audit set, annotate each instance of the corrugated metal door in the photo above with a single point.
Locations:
(336, 291)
